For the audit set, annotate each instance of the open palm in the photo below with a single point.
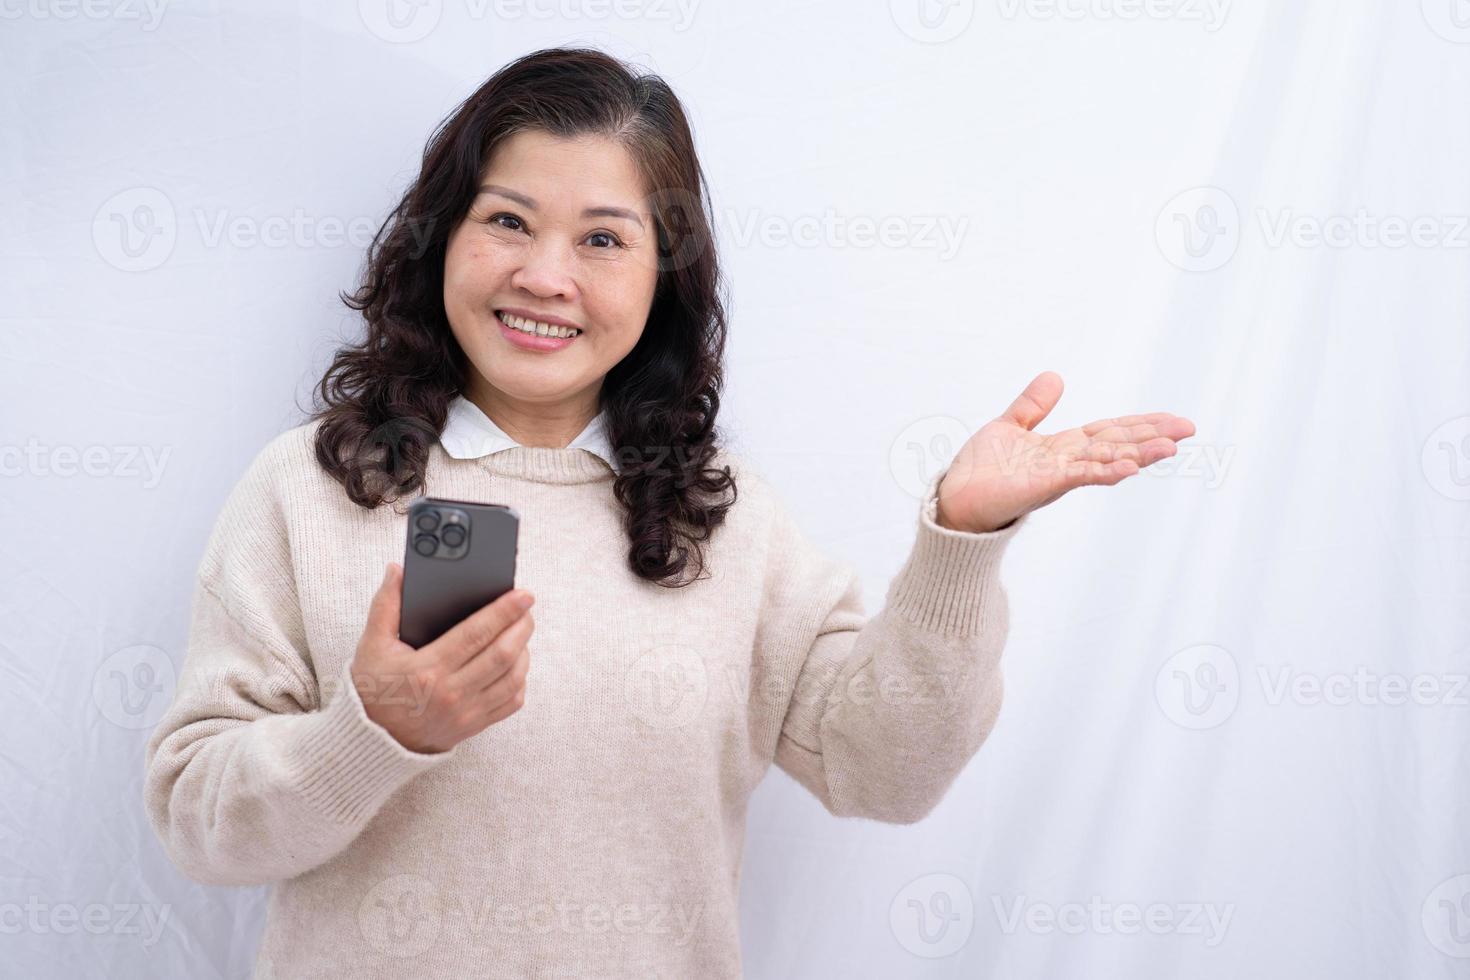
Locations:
(1006, 470)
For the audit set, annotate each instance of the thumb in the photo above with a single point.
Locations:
(387, 605)
(1036, 402)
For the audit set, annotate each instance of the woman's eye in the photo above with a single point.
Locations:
(612, 242)
(495, 220)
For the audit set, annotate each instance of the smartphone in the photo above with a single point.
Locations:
(460, 556)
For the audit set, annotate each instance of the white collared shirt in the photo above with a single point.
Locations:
(469, 434)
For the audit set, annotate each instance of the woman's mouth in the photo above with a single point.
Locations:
(531, 334)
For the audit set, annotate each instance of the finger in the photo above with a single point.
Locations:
(1036, 402)
(1090, 473)
(1141, 453)
(1123, 421)
(505, 687)
(1172, 427)
(477, 631)
(386, 608)
(490, 664)
(506, 710)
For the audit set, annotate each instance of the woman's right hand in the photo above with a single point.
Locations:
(435, 697)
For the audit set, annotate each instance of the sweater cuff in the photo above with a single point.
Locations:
(946, 583)
(347, 765)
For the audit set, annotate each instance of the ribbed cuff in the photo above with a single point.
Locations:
(945, 584)
(347, 765)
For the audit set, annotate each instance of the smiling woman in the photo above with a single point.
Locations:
(544, 333)
(537, 267)
(563, 196)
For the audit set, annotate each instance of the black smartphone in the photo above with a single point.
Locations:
(460, 556)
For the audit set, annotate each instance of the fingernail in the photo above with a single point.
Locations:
(524, 600)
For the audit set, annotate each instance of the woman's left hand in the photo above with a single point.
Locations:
(1005, 470)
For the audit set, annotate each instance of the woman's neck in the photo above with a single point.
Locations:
(552, 427)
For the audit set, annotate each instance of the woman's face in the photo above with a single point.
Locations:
(558, 233)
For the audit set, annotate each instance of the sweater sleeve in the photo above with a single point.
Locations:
(885, 712)
(259, 771)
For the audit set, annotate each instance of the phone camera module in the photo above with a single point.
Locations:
(453, 535)
(425, 544)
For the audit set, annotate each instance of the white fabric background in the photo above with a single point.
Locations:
(1315, 531)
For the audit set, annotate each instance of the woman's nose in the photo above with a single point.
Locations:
(545, 272)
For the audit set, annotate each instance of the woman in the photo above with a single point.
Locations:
(544, 330)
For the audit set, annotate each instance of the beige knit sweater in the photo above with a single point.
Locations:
(597, 831)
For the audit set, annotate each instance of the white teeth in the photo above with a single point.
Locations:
(536, 327)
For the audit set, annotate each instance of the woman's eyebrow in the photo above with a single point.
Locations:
(523, 200)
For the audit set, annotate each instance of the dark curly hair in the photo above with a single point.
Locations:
(384, 400)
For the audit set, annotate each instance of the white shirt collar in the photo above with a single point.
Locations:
(469, 434)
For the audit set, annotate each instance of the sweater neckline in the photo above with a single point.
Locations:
(541, 464)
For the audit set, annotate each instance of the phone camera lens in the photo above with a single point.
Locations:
(425, 544)
(428, 520)
(453, 535)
